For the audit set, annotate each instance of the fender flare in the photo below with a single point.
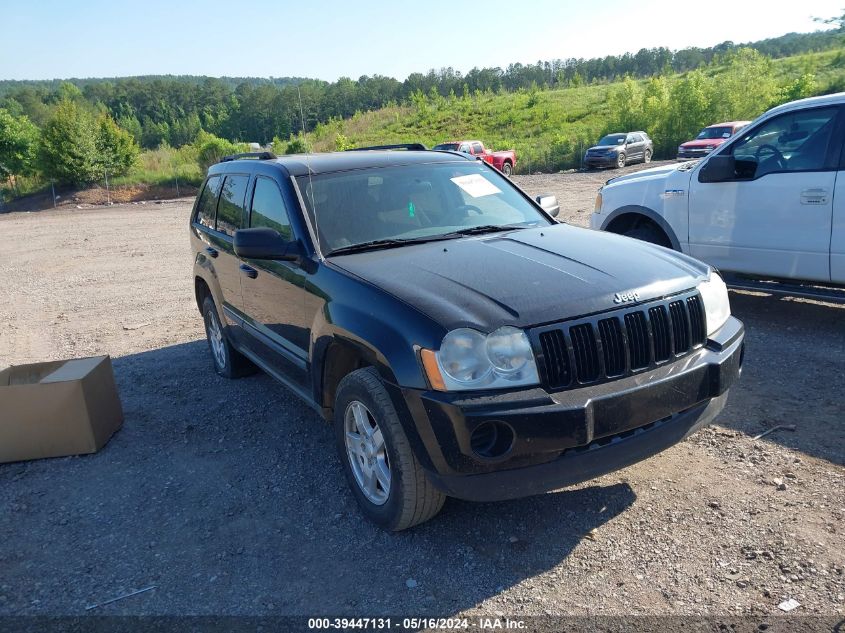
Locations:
(635, 209)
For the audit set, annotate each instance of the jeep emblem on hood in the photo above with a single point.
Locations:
(625, 297)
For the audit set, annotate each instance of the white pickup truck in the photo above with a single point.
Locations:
(769, 203)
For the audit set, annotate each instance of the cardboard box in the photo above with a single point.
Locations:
(57, 408)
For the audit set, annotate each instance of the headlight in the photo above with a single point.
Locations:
(468, 359)
(717, 306)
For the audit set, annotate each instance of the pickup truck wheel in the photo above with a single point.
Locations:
(647, 156)
(385, 477)
(507, 169)
(620, 160)
(228, 362)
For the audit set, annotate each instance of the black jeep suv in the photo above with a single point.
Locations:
(463, 342)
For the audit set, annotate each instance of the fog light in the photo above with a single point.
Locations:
(490, 440)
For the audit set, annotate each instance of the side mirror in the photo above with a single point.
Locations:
(549, 203)
(265, 243)
(718, 168)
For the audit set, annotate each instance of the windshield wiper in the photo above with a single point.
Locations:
(484, 228)
(384, 243)
(394, 242)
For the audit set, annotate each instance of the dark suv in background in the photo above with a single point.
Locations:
(462, 342)
(619, 149)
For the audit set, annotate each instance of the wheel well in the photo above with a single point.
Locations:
(630, 221)
(338, 362)
(201, 291)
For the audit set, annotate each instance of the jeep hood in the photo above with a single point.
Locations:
(525, 277)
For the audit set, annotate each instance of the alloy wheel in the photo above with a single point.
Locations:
(215, 338)
(367, 452)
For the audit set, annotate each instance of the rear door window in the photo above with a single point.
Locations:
(231, 207)
(477, 148)
(207, 203)
(268, 208)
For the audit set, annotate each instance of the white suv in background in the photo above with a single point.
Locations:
(769, 203)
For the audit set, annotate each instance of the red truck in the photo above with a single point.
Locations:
(504, 160)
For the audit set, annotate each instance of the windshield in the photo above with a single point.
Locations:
(452, 147)
(714, 132)
(613, 139)
(412, 202)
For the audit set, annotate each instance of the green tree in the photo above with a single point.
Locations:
(18, 143)
(804, 86)
(210, 149)
(746, 87)
(117, 150)
(298, 145)
(68, 147)
(342, 143)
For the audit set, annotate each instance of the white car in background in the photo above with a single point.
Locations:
(769, 203)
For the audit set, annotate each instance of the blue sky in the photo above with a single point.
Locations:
(332, 38)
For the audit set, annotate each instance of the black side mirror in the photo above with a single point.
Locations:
(264, 243)
(718, 168)
(549, 203)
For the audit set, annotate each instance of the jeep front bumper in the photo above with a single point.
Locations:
(566, 437)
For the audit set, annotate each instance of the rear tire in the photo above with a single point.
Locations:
(507, 169)
(647, 156)
(228, 362)
(650, 234)
(620, 161)
(385, 477)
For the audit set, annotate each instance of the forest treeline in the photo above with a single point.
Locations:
(81, 131)
(173, 110)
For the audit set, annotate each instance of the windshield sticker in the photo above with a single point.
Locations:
(476, 185)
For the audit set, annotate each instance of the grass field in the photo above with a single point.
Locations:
(549, 129)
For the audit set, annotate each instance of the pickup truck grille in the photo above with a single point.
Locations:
(620, 343)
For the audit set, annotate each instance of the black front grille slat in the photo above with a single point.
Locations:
(598, 349)
(613, 346)
(553, 344)
(660, 333)
(586, 352)
(680, 326)
(697, 322)
(637, 339)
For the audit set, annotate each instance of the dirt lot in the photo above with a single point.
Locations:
(228, 498)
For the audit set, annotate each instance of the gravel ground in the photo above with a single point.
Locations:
(227, 495)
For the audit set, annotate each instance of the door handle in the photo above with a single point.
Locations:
(211, 252)
(814, 196)
(249, 271)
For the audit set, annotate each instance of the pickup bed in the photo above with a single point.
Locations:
(503, 160)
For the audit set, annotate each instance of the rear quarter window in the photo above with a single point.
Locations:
(207, 203)
(230, 210)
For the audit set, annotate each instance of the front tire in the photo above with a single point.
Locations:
(507, 169)
(228, 362)
(620, 161)
(385, 477)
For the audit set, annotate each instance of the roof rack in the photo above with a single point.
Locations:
(250, 155)
(415, 147)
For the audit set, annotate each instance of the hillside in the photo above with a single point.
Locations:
(551, 128)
